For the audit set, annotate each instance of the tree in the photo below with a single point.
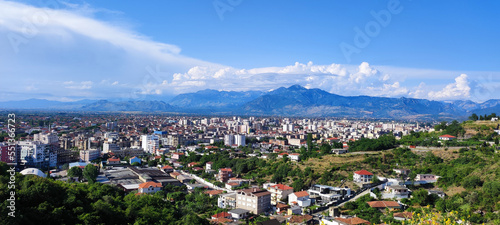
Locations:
(309, 142)
(75, 171)
(473, 117)
(90, 173)
(65, 166)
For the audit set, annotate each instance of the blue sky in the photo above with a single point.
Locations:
(70, 50)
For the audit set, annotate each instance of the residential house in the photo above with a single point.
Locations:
(208, 166)
(402, 171)
(339, 151)
(363, 176)
(113, 161)
(426, 178)
(135, 159)
(221, 215)
(177, 155)
(328, 193)
(401, 216)
(167, 169)
(294, 157)
(213, 193)
(395, 191)
(227, 200)
(175, 174)
(305, 219)
(345, 221)
(294, 210)
(447, 137)
(225, 174)
(382, 205)
(239, 213)
(255, 200)
(149, 187)
(280, 208)
(279, 192)
(300, 198)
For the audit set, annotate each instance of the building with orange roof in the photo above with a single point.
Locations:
(225, 174)
(362, 176)
(149, 187)
(300, 198)
(279, 192)
(346, 221)
(384, 204)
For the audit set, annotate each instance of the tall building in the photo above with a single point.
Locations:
(6, 155)
(150, 143)
(110, 147)
(229, 139)
(35, 153)
(239, 140)
(89, 155)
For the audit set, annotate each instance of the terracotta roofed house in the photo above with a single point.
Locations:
(149, 187)
(384, 204)
(362, 176)
(279, 192)
(351, 221)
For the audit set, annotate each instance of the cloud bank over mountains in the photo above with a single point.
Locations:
(65, 52)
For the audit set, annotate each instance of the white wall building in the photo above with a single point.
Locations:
(150, 143)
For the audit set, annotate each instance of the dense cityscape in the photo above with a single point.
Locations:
(234, 112)
(252, 169)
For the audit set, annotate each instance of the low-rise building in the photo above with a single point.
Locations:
(150, 187)
(135, 159)
(327, 193)
(300, 198)
(227, 201)
(255, 200)
(426, 178)
(279, 192)
(225, 174)
(239, 214)
(363, 176)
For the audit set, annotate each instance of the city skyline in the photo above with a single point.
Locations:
(69, 51)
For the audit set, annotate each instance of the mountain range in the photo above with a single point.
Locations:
(292, 101)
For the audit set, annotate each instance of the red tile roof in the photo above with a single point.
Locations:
(301, 194)
(363, 172)
(384, 204)
(282, 187)
(447, 136)
(407, 215)
(213, 192)
(149, 184)
(353, 220)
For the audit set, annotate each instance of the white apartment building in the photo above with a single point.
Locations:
(150, 143)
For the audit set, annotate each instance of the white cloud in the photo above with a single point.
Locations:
(335, 78)
(458, 90)
(80, 86)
